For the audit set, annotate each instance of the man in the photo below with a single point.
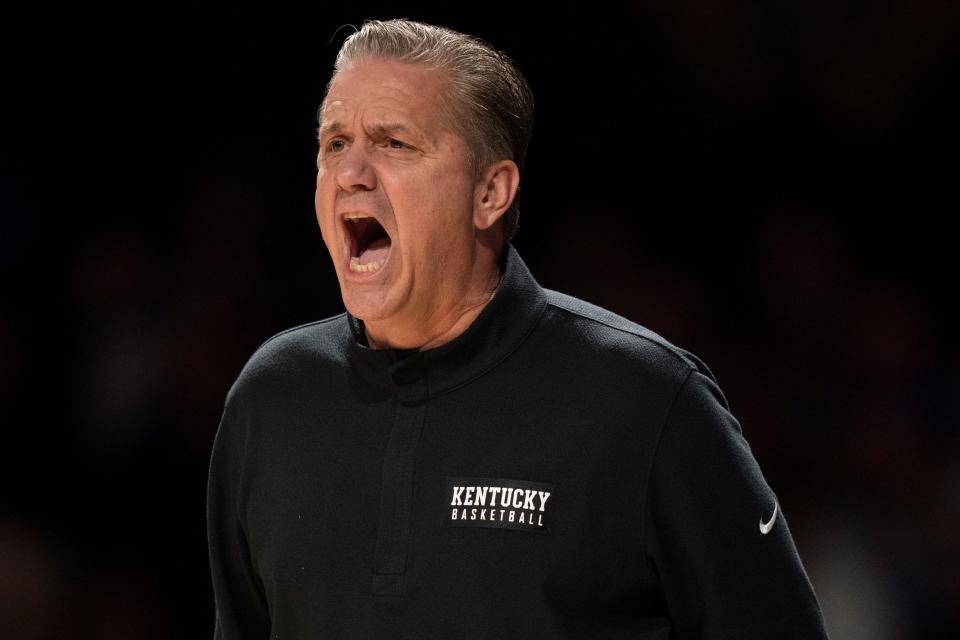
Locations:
(463, 453)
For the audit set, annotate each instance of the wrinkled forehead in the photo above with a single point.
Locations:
(389, 91)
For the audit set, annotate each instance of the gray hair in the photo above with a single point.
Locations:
(490, 103)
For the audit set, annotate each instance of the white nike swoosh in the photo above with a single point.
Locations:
(765, 527)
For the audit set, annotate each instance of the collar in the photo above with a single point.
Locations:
(415, 376)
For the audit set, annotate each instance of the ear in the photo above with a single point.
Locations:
(495, 190)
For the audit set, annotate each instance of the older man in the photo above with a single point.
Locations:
(462, 452)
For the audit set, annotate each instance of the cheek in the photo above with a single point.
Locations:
(323, 206)
(454, 209)
(432, 209)
(423, 217)
(325, 188)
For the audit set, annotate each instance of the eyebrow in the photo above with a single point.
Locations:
(379, 129)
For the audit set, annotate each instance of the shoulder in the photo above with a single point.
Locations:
(315, 340)
(290, 354)
(592, 331)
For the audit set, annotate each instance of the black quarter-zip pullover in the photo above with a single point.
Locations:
(555, 471)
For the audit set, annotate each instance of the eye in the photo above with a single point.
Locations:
(332, 145)
(396, 144)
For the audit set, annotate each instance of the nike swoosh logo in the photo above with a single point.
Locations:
(765, 527)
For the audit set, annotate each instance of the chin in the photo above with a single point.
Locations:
(368, 306)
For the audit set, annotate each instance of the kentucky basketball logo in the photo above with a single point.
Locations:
(498, 503)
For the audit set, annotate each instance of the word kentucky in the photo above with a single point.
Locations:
(521, 506)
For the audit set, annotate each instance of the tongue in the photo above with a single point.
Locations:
(376, 250)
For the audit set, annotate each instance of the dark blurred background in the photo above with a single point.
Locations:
(770, 185)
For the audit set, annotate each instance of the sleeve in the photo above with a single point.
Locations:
(716, 533)
(241, 608)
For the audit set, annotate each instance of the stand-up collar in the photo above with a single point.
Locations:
(500, 327)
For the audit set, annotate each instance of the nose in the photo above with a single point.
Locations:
(354, 171)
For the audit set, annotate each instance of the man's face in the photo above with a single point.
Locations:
(386, 155)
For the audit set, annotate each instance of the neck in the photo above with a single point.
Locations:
(445, 325)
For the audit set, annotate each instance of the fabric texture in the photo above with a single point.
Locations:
(555, 471)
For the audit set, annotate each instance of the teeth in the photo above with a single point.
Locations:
(356, 265)
(354, 217)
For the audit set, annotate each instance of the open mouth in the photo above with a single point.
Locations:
(369, 243)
